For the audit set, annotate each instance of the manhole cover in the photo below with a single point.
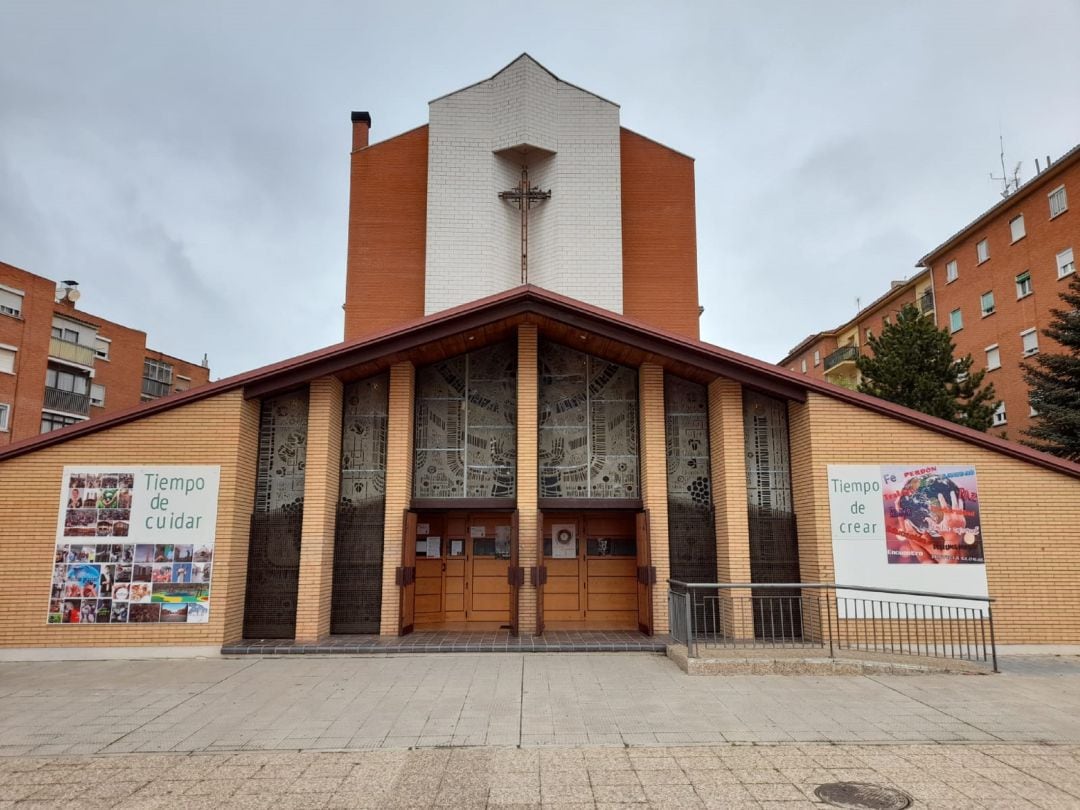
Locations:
(862, 796)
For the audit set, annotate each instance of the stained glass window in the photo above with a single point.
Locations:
(466, 425)
(691, 530)
(363, 440)
(279, 482)
(588, 426)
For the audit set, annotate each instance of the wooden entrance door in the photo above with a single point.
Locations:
(407, 575)
(463, 570)
(591, 560)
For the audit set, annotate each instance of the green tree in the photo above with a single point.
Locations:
(911, 363)
(1054, 383)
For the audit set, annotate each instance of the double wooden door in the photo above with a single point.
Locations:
(462, 571)
(593, 572)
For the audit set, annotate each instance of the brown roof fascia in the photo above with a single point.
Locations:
(750, 371)
(1062, 163)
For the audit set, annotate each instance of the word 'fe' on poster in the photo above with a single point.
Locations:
(134, 545)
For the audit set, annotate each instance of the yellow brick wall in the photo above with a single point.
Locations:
(528, 383)
(399, 482)
(653, 452)
(1030, 516)
(322, 480)
(728, 467)
(222, 430)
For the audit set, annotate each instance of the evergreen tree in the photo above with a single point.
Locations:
(911, 363)
(1054, 383)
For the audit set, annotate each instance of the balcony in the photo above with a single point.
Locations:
(926, 302)
(155, 388)
(72, 352)
(66, 401)
(843, 355)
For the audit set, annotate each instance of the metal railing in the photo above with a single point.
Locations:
(926, 302)
(74, 352)
(842, 355)
(66, 401)
(833, 617)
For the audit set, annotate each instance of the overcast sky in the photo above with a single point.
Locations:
(187, 162)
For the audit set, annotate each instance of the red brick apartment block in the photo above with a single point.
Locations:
(992, 284)
(60, 365)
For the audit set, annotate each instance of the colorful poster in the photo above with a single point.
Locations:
(932, 515)
(134, 544)
(914, 527)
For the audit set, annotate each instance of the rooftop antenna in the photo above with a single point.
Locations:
(1008, 185)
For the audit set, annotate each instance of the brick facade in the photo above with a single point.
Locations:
(121, 373)
(222, 430)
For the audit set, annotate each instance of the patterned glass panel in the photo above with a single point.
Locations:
(691, 531)
(466, 426)
(279, 482)
(356, 602)
(774, 548)
(363, 440)
(588, 426)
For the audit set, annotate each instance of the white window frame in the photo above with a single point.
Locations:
(982, 250)
(1016, 237)
(9, 311)
(5, 417)
(952, 272)
(1031, 410)
(1028, 351)
(804, 365)
(1064, 201)
(96, 401)
(817, 359)
(993, 352)
(953, 328)
(1000, 417)
(98, 354)
(982, 303)
(14, 356)
(1024, 278)
(1066, 266)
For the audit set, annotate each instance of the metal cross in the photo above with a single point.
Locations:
(523, 197)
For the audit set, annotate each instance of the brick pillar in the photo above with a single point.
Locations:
(653, 451)
(727, 445)
(322, 479)
(399, 480)
(528, 384)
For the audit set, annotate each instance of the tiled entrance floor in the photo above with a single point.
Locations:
(428, 641)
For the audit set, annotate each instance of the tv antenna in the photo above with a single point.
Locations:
(1008, 185)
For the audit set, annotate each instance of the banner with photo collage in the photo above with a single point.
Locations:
(134, 545)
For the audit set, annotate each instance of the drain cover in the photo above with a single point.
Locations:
(862, 796)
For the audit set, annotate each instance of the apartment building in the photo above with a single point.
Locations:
(60, 365)
(992, 284)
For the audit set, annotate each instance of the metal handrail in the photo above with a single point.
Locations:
(824, 614)
(843, 354)
(821, 586)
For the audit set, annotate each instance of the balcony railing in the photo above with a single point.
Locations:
(67, 401)
(926, 302)
(73, 352)
(845, 354)
(154, 388)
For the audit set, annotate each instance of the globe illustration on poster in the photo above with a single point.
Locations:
(932, 515)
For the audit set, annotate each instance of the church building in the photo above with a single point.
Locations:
(521, 431)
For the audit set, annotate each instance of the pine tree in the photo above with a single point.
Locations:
(1054, 383)
(911, 363)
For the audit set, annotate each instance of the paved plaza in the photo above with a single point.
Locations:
(573, 730)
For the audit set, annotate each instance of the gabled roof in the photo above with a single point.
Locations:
(504, 68)
(529, 303)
